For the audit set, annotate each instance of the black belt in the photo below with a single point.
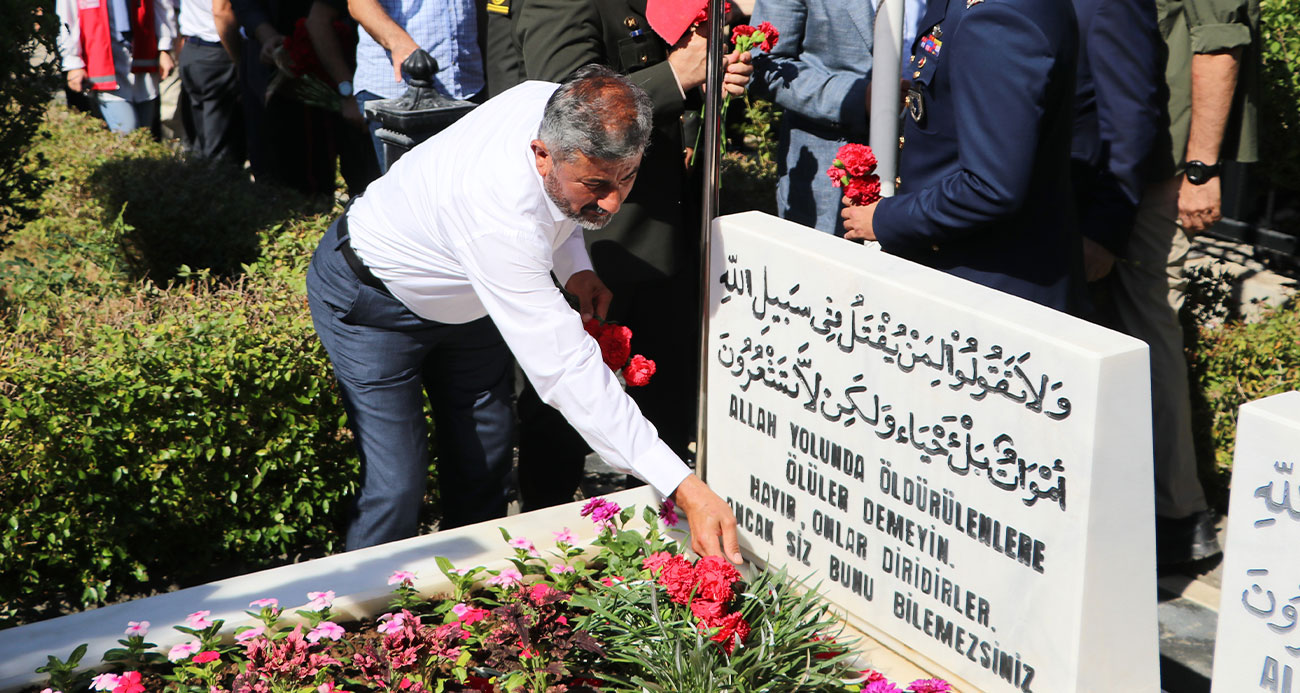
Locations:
(202, 42)
(350, 256)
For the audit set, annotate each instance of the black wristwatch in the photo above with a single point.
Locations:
(1200, 173)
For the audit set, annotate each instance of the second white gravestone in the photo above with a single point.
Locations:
(964, 471)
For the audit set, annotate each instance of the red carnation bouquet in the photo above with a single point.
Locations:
(708, 587)
(854, 170)
(299, 69)
(616, 349)
(745, 38)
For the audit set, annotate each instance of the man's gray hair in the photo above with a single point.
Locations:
(598, 112)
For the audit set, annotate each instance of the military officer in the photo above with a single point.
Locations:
(648, 255)
(985, 170)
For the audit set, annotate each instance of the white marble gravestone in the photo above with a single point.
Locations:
(1257, 647)
(964, 471)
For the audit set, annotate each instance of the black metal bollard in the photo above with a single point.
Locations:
(416, 115)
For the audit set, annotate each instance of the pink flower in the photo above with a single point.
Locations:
(198, 619)
(326, 629)
(329, 687)
(129, 683)
(524, 545)
(469, 615)
(50, 690)
(838, 176)
(140, 628)
(459, 571)
(881, 686)
(564, 536)
(561, 569)
(264, 603)
(104, 682)
(929, 686)
(319, 600)
(528, 653)
(183, 650)
(668, 513)
(206, 656)
(610, 580)
(246, 635)
(506, 578)
(600, 510)
(391, 622)
(405, 577)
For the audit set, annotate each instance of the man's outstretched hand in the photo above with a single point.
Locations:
(709, 517)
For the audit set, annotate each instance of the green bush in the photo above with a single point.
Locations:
(26, 83)
(1279, 117)
(152, 433)
(1233, 364)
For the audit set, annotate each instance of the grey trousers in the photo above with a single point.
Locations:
(1148, 290)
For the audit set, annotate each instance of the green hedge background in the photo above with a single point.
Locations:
(158, 424)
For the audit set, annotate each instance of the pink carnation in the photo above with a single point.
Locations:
(929, 686)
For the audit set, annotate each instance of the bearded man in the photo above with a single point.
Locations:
(444, 266)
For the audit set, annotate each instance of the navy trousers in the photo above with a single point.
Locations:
(387, 360)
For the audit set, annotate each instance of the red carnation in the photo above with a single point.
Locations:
(857, 159)
(638, 371)
(678, 577)
(740, 31)
(863, 191)
(771, 35)
(706, 610)
(837, 175)
(657, 560)
(732, 629)
(716, 577)
(615, 345)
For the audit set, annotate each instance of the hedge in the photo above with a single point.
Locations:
(167, 414)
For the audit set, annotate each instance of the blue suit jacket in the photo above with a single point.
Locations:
(985, 169)
(819, 73)
(1118, 113)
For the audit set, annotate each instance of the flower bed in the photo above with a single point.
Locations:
(630, 613)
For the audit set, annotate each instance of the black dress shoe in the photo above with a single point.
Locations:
(1186, 539)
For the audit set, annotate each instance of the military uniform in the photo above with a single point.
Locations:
(648, 255)
(985, 164)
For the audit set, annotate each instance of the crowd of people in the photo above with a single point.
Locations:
(1062, 152)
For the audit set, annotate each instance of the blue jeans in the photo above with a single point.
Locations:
(372, 125)
(124, 116)
(387, 360)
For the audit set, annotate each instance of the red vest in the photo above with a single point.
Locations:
(97, 41)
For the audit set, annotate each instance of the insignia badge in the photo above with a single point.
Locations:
(938, 31)
(916, 105)
(498, 6)
(931, 44)
(972, 3)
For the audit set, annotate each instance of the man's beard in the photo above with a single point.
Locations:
(591, 217)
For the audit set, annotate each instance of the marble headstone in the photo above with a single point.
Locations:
(963, 471)
(1257, 647)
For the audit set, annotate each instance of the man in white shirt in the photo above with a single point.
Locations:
(444, 266)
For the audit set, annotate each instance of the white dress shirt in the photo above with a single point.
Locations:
(461, 228)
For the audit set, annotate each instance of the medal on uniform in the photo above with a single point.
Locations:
(931, 44)
(972, 3)
(915, 104)
(498, 6)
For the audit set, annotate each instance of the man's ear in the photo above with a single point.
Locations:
(542, 157)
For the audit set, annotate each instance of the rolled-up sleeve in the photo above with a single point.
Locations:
(1219, 25)
(510, 274)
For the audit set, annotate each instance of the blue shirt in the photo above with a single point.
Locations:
(447, 30)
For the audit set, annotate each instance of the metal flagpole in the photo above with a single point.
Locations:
(886, 57)
(710, 167)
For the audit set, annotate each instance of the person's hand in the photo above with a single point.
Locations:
(400, 53)
(593, 296)
(352, 112)
(166, 63)
(1199, 206)
(738, 71)
(709, 517)
(1097, 260)
(269, 44)
(77, 80)
(858, 221)
(687, 57)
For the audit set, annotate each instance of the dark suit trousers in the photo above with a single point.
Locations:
(387, 360)
(211, 82)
